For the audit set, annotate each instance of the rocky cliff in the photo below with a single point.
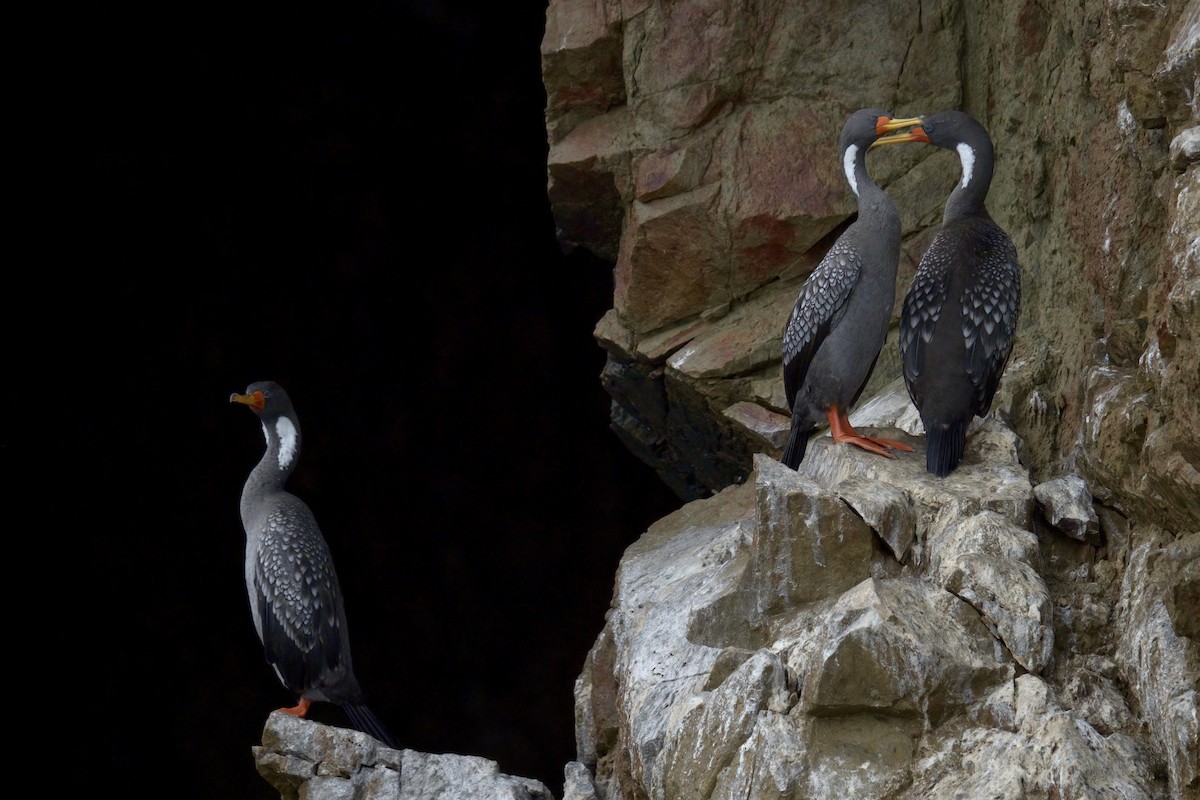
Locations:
(861, 629)
(693, 143)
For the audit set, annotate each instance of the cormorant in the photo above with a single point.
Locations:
(840, 320)
(295, 599)
(960, 314)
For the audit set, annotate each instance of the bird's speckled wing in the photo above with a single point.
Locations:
(821, 302)
(990, 307)
(920, 313)
(296, 587)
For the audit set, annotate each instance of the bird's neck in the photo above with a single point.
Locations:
(967, 198)
(277, 463)
(872, 200)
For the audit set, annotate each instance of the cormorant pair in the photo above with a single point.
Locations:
(958, 318)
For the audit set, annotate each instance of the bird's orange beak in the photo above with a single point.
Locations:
(255, 400)
(888, 124)
(917, 134)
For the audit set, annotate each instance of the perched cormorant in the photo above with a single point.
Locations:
(840, 319)
(295, 599)
(960, 314)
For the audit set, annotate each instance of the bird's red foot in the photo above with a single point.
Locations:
(842, 431)
(866, 443)
(889, 443)
(300, 709)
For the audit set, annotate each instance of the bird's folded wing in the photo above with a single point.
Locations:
(296, 592)
(821, 302)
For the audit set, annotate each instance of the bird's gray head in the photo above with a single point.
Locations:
(274, 408)
(960, 132)
(860, 131)
(267, 398)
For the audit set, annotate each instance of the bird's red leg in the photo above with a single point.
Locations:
(300, 709)
(841, 430)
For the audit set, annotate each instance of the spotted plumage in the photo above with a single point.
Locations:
(295, 600)
(959, 317)
(840, 318)
(819, 307)
(297, 596)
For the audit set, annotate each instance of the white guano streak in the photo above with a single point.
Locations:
(967, 156)
(287, 441)
(848, 165)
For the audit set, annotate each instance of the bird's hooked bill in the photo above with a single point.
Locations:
(254, 400)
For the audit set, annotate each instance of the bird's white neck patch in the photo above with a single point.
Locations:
(287, 441)
(967, 156)
(848, 165)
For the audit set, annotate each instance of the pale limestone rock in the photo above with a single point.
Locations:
(769, 765)
(768, 428)
(905, 690)
(685, 562)
(993, 565)
(1090, 691)
(1176, 74)
(705, 737)
(890, 408)
(325, 788)
(1160, 666)
(887, 509)
(807, 543)
(329, 751)
(1055, 752)
(900, 647)
(1185, 148)
(384, 783)
(990, 476)
(577, 782)
(1160, 482)
(1066, 503)
(305, 760)
(859, 755)
(1038, 751)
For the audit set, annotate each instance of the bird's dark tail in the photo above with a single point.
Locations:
(363, 719)
(797, 444)
(945, 443)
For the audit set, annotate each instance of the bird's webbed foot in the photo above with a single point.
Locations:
(298, 710)
(841, 431)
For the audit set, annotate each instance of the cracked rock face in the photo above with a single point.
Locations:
(1067, 504)
(768, 643)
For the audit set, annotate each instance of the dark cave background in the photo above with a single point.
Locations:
(349, 200)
